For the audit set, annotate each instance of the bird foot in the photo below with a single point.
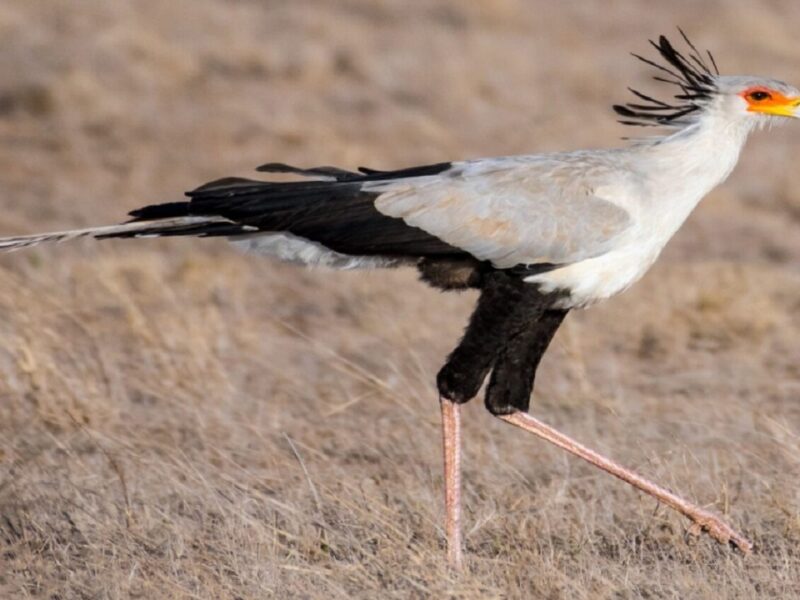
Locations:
(718, 529)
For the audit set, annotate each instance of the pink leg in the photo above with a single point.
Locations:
(703, 520)
(451, 437)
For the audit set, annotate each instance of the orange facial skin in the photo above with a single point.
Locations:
(772, 102)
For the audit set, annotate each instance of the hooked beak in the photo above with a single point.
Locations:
(780, 107)
(796, 106)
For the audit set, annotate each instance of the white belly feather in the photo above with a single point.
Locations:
(297, 250)
(593, 280)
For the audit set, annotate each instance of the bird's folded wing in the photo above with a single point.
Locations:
(509, 216)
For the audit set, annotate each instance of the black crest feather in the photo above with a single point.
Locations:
(690, 72)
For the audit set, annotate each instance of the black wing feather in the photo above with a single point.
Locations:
(338, 214)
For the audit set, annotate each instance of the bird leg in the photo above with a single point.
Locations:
(467, 366)
(508, 395)
(511, 383)
(507, 305)
(703, 519)
(451, 438)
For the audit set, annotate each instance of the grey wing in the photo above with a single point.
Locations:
(512, 214)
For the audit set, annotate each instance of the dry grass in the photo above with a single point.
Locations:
(179, 421)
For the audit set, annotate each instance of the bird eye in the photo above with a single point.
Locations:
(760, 95)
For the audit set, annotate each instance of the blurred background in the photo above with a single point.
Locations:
(178, 420)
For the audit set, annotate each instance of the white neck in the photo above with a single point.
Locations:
(701, 155)
(687, 165)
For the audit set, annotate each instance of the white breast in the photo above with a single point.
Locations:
(596, 279)
(673, 176)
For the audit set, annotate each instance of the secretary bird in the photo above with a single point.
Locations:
(538, 235)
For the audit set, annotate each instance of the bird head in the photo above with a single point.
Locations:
(751, 101)
(756, 97)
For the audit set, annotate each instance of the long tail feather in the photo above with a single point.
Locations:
(202, 226)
